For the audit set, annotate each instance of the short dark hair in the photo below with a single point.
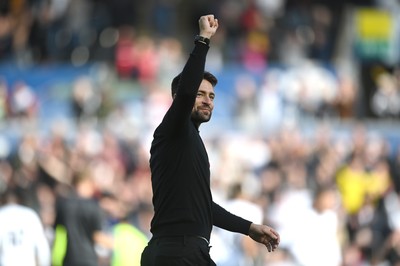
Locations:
(12, 194)
(207, 76)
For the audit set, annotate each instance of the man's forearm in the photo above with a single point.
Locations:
(192, 73)
(229, 221)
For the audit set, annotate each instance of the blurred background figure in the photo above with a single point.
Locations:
(128, 239)
(79, 225)
(319, 239)
(22, 237)
(23, 103)
(232, 249)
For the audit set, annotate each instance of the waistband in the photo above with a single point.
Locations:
(182, 239)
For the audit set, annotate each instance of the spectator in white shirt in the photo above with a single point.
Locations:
(22, 237)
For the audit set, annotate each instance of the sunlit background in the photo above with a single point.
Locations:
(305, 135)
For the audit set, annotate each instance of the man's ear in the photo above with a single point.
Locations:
(173, 96)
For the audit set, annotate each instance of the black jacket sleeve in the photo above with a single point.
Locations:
(229, 221)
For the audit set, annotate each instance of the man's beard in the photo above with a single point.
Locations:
(198, 116)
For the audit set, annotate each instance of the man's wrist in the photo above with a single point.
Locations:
(202, 39)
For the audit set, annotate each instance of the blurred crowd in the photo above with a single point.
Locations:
(254, 31)
(278, 151)
(332, 194)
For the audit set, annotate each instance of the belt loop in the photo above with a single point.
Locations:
(184, 240)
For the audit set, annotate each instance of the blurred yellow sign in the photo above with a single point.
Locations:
(374, 23)
(374, 35)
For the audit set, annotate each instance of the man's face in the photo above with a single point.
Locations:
(204, 104)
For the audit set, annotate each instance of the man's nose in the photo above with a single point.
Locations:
(207, 100)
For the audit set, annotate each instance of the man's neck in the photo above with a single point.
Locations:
(196, 125)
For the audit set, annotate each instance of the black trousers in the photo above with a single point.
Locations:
(176, 251)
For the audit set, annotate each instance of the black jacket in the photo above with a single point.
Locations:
(180, 167)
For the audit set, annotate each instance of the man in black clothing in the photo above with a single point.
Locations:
(183, 204)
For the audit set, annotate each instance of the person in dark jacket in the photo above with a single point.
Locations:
(184, 210)
(78, 225)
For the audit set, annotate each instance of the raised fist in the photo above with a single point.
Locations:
(208, 25)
